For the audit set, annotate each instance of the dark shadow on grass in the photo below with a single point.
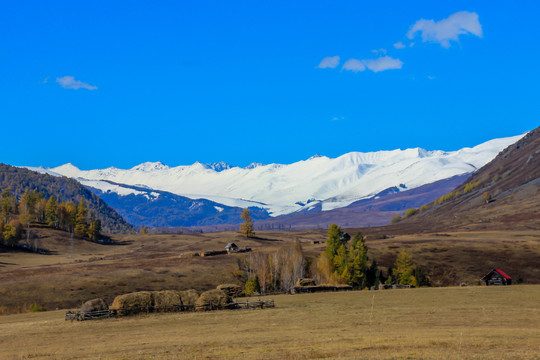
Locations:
(257, 238)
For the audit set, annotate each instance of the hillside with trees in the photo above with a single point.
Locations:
(35, 191)
(504, 194)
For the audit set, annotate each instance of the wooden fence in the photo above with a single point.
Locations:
(102, 314)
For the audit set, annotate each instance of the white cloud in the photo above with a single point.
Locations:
(399, 45)
(376, 65)
(69, 82)
(329, 62)
(353, 65)
(381, 51)
(446, 30)
(383, 63)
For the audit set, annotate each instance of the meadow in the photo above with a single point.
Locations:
(160, 262)
(427, 323)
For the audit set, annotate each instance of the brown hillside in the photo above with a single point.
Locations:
(512, 181)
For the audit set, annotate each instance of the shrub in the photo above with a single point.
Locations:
(422, 208)
(252, 285)
(395, 219)
(410, 212)
(35, 308)
(471, 186)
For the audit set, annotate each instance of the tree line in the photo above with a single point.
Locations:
(64, 189)
(344, 261)
(16, 216)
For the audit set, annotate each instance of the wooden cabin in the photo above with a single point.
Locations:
(231, 247)
(497, 277)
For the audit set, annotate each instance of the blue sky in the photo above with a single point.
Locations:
(102, 85)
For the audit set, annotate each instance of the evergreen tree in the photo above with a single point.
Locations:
(358, 255)
(12, 233)
(51, 212)
(421, 278)
(404, 269)
(81, 226)
(341, 261)
(247, 227)
(26, 208)
(336, 238)
(94, 229)
(8, 205)
(66, 216)
(41, 206)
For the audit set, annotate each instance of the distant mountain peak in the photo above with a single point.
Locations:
(68, 166)
(150, 166)
(253, 165)
(219, 166)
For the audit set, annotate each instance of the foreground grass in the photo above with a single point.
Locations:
(453, 323)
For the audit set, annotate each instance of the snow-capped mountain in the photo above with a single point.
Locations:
(282, 189)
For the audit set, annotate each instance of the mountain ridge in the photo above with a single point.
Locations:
(281, 188)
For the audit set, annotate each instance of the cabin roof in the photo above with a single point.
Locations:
(500, 272)
(503, 274)
(230, 245)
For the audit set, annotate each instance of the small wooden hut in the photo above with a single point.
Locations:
(497, 277)
(231, 247)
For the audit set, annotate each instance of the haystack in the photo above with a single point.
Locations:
(132, 303)
(211, 300)
(188, 297)
(305, 282)
(166, 300)
(231, 290)
(91, 306)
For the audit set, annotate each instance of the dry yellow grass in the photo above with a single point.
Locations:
(431, 323)
(164, 262)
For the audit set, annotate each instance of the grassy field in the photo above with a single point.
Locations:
(429, 323)
(159, 262)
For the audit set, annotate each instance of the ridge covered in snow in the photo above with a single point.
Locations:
(283, 189)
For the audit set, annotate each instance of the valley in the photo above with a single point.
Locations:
(158, 262)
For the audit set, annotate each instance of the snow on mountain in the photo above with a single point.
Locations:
(219, 166)
(150, 166)
(282, 189)
(107, 187)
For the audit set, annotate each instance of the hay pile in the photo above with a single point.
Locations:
(188, 297)
(166, 300)
(231, 290)
(305, 282)
(211, 300)
(137, 302)
(90, 306)
(93, 305)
